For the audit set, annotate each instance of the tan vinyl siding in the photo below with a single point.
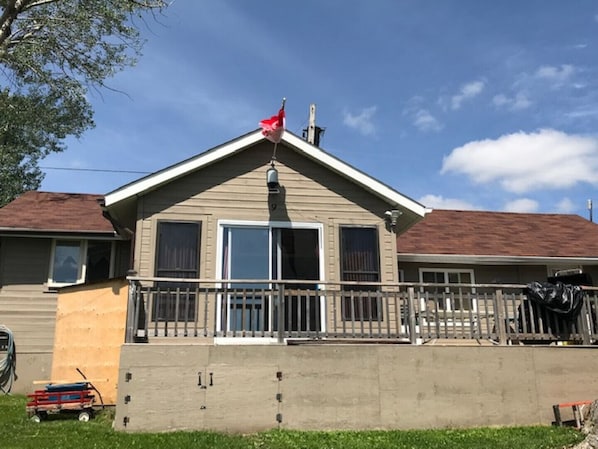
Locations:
(235, 189)
(25, 308)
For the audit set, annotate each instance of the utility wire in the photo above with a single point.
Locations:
(96, 170)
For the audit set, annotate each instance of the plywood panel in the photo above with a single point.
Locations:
(90, 329)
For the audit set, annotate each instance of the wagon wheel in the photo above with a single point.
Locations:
(39, 416)
(85, 415)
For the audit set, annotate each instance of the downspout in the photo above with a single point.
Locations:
(121, 230)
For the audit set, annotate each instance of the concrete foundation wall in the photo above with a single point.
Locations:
(252, 388)
(31, 366)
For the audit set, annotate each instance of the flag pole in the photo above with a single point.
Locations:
(273, 160)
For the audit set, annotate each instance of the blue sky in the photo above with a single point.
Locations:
(460, 104)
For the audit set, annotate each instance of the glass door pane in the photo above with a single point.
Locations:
(298, 258)
(247, 256)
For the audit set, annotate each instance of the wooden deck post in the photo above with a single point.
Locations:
(584, 316)
(412, 311)
(500, 318)
(131, 302)
(280, 312)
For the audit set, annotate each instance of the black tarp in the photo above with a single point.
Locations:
(563, 299)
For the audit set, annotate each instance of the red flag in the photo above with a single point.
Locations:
(273, 127)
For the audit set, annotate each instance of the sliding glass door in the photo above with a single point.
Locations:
(268, 253)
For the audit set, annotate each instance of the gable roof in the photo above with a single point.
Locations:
(487, 237)
(49, 212)
(202, 160)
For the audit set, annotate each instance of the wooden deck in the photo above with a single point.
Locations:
(274, 311)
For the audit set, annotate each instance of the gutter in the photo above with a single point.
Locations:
(494, 259)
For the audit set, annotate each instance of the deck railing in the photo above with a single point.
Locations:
(302, 311)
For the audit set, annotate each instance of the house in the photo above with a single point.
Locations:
(257, 296)
(265, 292)
(49, 240)
(455, 246)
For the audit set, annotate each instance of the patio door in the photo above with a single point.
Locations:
(266, 253)
(298, 256)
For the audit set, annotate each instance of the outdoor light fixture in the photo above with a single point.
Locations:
(392, 216)
(272, 180)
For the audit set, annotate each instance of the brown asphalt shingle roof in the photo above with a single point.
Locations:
(471, 233)
(55, 212)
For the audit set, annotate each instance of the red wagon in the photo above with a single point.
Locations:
(75, 398)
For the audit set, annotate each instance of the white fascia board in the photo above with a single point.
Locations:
(152, 181)
(494, 260)
(345, 170)
(161, 177)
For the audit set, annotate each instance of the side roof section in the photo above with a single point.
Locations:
(499, 237)
(54, 212)
(155, 180)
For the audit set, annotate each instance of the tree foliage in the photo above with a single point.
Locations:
(52, 52)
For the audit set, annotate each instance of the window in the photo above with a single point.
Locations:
(98, 260)
(77, 261)
(449, 298)
(270, 251)
(177, 256)
(67, 262)
(360, 262)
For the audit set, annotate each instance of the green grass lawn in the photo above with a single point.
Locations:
(18, 432)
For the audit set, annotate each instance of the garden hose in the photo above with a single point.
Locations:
(8, 365)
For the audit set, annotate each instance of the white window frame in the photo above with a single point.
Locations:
(222, 224)
(447, 271)
(82, 265)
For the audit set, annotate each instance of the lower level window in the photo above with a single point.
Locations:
(77, 261)
(67, 263)
(449, 297)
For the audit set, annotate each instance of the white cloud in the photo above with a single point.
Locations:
(424, 121)
(362, 121)
(566, 206)
(500, 100)
(557, 75)
(582, 112)
(521, 205)
(439, 202)
(467, 92)
(523, 162)
(518, 102)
